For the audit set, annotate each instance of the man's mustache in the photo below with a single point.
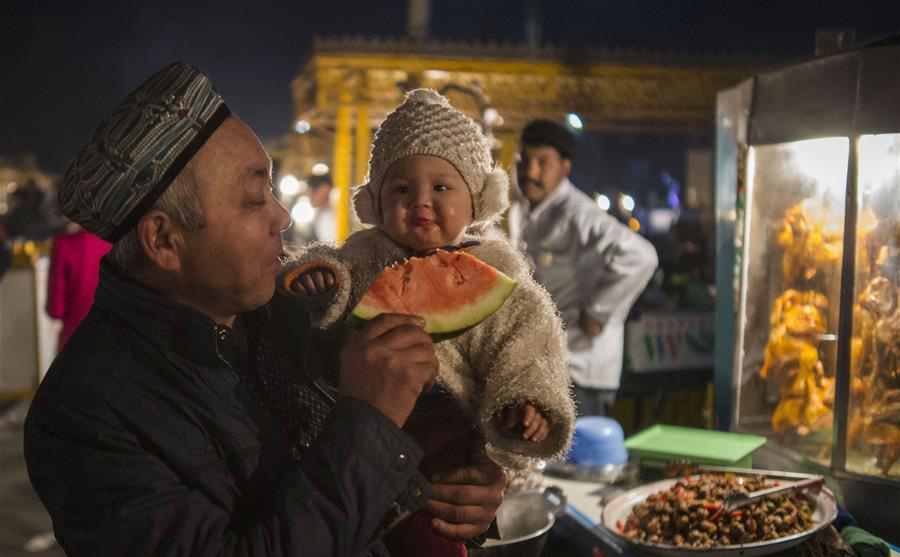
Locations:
(531, 181)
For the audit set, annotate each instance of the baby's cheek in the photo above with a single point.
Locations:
(393, 224)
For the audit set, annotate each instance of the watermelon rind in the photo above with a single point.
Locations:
(439, 324)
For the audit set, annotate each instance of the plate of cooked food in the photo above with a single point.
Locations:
(720, 514)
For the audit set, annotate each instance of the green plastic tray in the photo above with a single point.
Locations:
(659, 444)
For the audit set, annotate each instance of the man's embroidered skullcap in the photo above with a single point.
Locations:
(139, 148)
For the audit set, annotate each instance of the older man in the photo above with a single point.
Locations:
(180, 418)
(592, 265)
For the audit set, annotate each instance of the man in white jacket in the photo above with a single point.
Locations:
(593, 266)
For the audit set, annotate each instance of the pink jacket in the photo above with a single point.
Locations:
(74, 267)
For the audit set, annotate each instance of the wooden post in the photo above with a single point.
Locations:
(341, 166)
(363, 142)
(506, 158)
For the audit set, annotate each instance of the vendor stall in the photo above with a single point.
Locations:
(808, 257)
(27, 335)
(807, 358)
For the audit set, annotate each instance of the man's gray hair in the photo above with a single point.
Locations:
(181, 201)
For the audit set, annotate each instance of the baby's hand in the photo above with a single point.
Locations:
(525, 420)
(313, 282)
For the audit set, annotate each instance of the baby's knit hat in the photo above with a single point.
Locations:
(426, 124)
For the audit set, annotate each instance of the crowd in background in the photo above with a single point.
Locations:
(684, 281)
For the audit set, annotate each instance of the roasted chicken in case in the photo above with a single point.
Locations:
(875, 373)
(808, 247)
(800, 321)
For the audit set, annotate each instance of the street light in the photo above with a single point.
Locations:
(289, 185)
(602, 201)
(302, 126)
(303, 212)
(574, 121)
(490, 116)
(320, 169)
(626, 202)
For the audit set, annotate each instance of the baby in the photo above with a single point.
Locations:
(433, 185)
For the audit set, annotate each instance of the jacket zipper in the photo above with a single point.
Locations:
(222, 358)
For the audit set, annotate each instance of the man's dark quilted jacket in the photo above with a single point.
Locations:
(142, 440)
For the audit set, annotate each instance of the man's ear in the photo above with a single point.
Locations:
(160, 239)
(567, 166)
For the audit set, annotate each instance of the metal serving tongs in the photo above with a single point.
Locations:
(754, 472)
(737, 500)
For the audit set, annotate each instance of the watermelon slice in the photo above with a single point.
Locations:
(451, 290)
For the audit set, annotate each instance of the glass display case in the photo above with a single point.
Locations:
(808, 271)
(873, 430)
(792, 270)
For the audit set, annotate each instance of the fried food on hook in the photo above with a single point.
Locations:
(807, 246)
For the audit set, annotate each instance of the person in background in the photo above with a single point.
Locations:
(26, 219)
(181, 417)
(593, 266)
(324, 224)
(74, 271)
(5, 252)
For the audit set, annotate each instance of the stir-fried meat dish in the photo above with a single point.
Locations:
(691, 514)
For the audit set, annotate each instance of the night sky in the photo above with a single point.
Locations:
(65, 64)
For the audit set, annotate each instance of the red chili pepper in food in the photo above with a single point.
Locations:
(619, 527)
(737, 514)
(716, 514)
(710, 506)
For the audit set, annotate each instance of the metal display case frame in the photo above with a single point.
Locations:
(846, 94)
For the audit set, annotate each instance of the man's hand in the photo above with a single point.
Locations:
(313, 282)
(388, 363)
(590, 327)
(464, 499)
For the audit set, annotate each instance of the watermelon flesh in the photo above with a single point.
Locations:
(450, 290)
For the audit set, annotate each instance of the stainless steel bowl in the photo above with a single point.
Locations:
(524, 520)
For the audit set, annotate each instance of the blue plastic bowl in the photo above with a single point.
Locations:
(599, 441)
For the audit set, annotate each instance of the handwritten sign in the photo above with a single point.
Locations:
(659, 342)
